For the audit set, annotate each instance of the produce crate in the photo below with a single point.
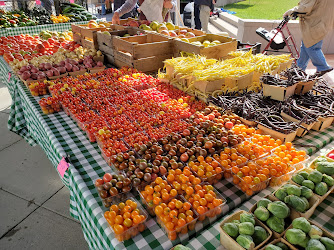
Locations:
(320, 197)
(287, 221)
(313, 201)
(148, 64)
(208, 86)
(86, 36)
(229, 243)
(241, 82)
(278, 93)
(325, 234)
(219, 51)
(304, 87)
(279, 240)
(109, 58)
(277, 135)
(143, 46)
(107, 40)
(300, 131)
(323, 123)
(257, 74)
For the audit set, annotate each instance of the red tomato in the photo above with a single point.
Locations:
(107, 177)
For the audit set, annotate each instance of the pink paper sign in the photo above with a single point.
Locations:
(9, 75)
(71, 1)
(2, 3)
(38, 2)
(62, 167)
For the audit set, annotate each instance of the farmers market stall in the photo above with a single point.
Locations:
(129, 137)
(59, 136)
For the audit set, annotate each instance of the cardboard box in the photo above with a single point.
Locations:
(277, 135)
(219, 51)
(241, 82)
(278, 93)
(304, 87)
(323, 123)
(229, 243)
(208, 86)
(143, 46)
(300, 131)
(148, 64)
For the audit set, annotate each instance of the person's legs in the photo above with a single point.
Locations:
(103, 12)
(303, 58)
(204, 16)
(317, 57)
(198, 25)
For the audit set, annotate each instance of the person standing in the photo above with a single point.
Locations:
(129, 5)
(198, 25)
(317, 21)
(205, 7)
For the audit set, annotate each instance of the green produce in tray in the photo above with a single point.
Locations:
(181, 247)
(304, 174)
(272, 247)
(231, 229)
(298, 178)
(246, 228)
(321, 188)
(295, 236)
(329, 180)
(309, 184)
(264, 202)
(293, 190)
(315, 232)
(281, 194)
(315, 177)
(279, 209)
(325, 167)
(314, 244)
(245, 241)
(282, 246)
(302, 224)
(306, 192)
(296, 202)
(260, 235)
(262, 213)
(247, 217)
(276, 224)
(327, 242)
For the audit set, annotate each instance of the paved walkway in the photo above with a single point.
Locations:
(34, 204)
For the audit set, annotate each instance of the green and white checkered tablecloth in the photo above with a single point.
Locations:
(58, 135)
(60, 27)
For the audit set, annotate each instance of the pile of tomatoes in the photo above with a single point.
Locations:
(126, 219)
(25, 46)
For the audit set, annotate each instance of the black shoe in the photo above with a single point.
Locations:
(321, 73)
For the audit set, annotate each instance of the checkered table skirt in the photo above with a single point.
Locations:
(58, 136)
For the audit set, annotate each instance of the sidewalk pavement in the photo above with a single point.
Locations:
(34, 204)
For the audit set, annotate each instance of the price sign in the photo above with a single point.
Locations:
(9, 76)
(38, 2)
(62, 167)
(71, 1)
(2, 3)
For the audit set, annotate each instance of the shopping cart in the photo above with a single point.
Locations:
(280, 37)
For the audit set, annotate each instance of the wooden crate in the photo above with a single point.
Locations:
(300, 131)
(148, 64)
(109, 58)
(208, 86)
(86, 35)
(219, 51)
(144, 46)
(322, 123)
(277, 92)
(277, 135)
(229, 243)
(241, 82)
(106, 40)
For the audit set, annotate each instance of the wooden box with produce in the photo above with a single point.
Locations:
(105, 38)
(253, 233)
(277, 88)
(143, 46)
(147, 64)
(210, 45)
(305, 234)
(85, 34)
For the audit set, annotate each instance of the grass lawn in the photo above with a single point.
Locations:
(261, 9)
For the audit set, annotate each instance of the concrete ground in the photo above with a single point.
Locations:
(34, 204)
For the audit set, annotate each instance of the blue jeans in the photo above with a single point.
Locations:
(315, 54)
(103, 12)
